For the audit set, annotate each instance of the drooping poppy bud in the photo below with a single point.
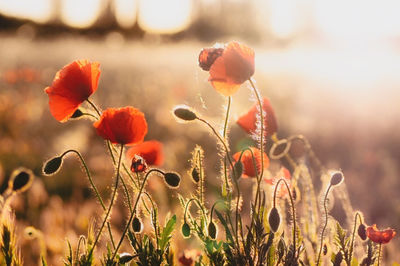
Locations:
(186, 230)
(172, 179)
(52, 166)
(274, 219)
(212, 230)
(137, 225)
(195, 174)
(185, 113)
(362, 231)
(21, 180)
(336, 178)
(125, 258)
(238, 167)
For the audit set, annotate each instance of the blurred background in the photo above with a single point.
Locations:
(330, 68)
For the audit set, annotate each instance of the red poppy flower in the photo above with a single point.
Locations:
(138, 165)
(229, 66)
(151, 151)
(380, 237)
(247, 161)
(283, 173)
(123, 125)
(72, 85)
(188, 257)
(248, 121)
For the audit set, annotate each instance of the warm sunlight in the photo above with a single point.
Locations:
(125, 12)
(81, 14)
(40, 11)
(160, 16)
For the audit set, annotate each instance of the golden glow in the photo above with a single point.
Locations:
(125, 12)
(164, 16)
(283, 17)
(39, 10)
(80, 13)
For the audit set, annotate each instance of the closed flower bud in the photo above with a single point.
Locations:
(172, 179)
(325, 250)
(186, 230)
(52, 166)
(238, 166)
(125, 258)
(274, 219)
(212, 230)
(362, 231)
(137, 225)
(338, 259)
(336, 178)
(195, 175)
(185, 113)
(138, 165)
(21, 179)
(78, 113)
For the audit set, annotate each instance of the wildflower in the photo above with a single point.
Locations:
(380, 237)
(72, 85)
(248, 121)
(138, 164)
(151, 151)
(248, 164)
(283, 173)
(122, 125)
(229, 66)
(188, 257)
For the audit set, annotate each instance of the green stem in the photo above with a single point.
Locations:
(325, 224)
(379, 253)
(228, 108)
(111, 203)
(353, 236)
(198, 204)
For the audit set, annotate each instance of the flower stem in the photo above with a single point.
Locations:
(228, 108)
(352, 237)
(325, 224)
(379, 253)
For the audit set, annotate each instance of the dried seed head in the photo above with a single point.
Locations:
(125, 258)
(172, 179)
(274, 219)
(78, 113)
(138, 165)
(185, 113)
(137, 225)
(336, 178)
(195, 175)
(212, 230)
(52, 166)
(238, 166)
(21, 180)
(362, 231)
(186, 230)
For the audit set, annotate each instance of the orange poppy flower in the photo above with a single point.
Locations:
(247, 161)
(248, 121)
(122, 125)
(229, 67)
(151, 151)
(380, 237)
(72, 85)
(283, 173)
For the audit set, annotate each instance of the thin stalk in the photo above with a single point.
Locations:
(353, 236)
(228, 108)
(201, 177)
(88, 114)
(325, 224)
(81, 238)
(111, 203)
(379, 253)
(198, 204)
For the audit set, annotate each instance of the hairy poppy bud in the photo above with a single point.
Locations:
(238, 167)
(338, 259)
(336, 178)
(195, 175)
(137, 225)
(52, 166)
(362, 231)
(21, 179)
(274, 219)
(185, 113)
(186, 230)
(78, 113)
(138, 165)
(172, 179)
(125, 258)
(212, 230)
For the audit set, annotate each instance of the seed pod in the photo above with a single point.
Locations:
(78, 113)
(137, 225)
(274, 219)
(52, 166)
(21, 180)
(125, 258)
(362, 231)
(195, 175)
(336, 178)
(238, 166)
(185, 113)
(172, 179)
(212, 230)
(186, 230)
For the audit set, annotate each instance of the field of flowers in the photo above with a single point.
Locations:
(183, 155)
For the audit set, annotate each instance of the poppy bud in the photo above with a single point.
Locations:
(279, 149)
(185, 113)
(212, 230)
(338, 259)
(78, 113)
(186, 230)
(336, 178)
(138, 164)
(52, 166)
(274, 219)
(137, 225)
(125, 258)
(21, 179)
(238, 166)
(195, 175)
(325, 249)
(172, 179)
(207, 57)
(362, 231)
(281, 248)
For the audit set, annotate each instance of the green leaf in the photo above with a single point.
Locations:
(223, 222)
(166, 232)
